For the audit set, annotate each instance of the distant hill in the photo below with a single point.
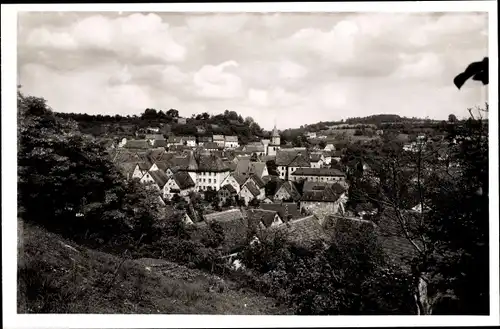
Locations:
(169, 123)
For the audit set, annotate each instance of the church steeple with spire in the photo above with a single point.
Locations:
(275, 143)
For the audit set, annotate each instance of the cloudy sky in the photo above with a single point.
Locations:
(295, 68)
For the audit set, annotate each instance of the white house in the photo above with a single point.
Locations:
(330, 175)
(235, 180)
(323, 202)
(249, 191)
(311, 134)
(219, 140)
(180, 183)
(208, 172)
(189, 141)
(329, 147)
(140, 169)
(317, 160)
(231, 142)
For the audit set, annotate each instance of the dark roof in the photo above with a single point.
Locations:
(231, 138)
(145, 165)
(243, 166)
(162, 165)
(253, 148)
(159, 177)
(290, 188)
(250, 185)
(229, 188)
(230, 164)
(211, 145)
(292, 158)
(258, 181)
(174, 139)
(311, 186)
(183, 180)
(233, 224)
(265, 158)
(304, 231)
(160, 143)
(211, 163)
(224, 216)
(330, 193)
(257, 168)
(315, 157)
(266, 217)
(240, 179)
(126, 168)
(318, 172)
(155, 154)
(137, 144)
(292, 209)
(155, 136)
(205, 139)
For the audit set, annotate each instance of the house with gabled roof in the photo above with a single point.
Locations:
(179, 183)
(137, 144)
(207, 171)
(219, 140)
(234, 226)
(202, 140)
(250, 191)
(174, 140)
(155, 179)
(140, 169)
(263, 218)
(211, 146)
(329, 175)
(235, 180)
(189, 141)
(287, 191)
(286, 210)
(231, 142)
(324, 200)
(289, 160)
(304, 232)
(317, 160)
(227, 193)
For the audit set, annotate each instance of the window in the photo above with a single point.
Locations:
(210, 181)
(203, 180)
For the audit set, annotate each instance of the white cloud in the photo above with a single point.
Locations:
(291, 70)
(222, 24)
(258, 97)
(213, 82)
(299, 68)
(135, 35)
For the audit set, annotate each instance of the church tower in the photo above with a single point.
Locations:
(275, 143)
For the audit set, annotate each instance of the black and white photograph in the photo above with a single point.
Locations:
(270, 162)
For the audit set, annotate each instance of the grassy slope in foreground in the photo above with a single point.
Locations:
(56, 276)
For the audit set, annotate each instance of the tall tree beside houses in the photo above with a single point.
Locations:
(453, 232)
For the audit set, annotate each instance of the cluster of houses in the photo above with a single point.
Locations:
(301, 189)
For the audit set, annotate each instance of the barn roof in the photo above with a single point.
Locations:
(304, 231)
(290, 188)
(292, 158)
(291, 210)
(330, 193)
(266, 217)
(137, 144)
(183, 180)
(159, 177)
(330, 172)
(250, 185)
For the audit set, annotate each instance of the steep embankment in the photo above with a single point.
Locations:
(57, 276)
